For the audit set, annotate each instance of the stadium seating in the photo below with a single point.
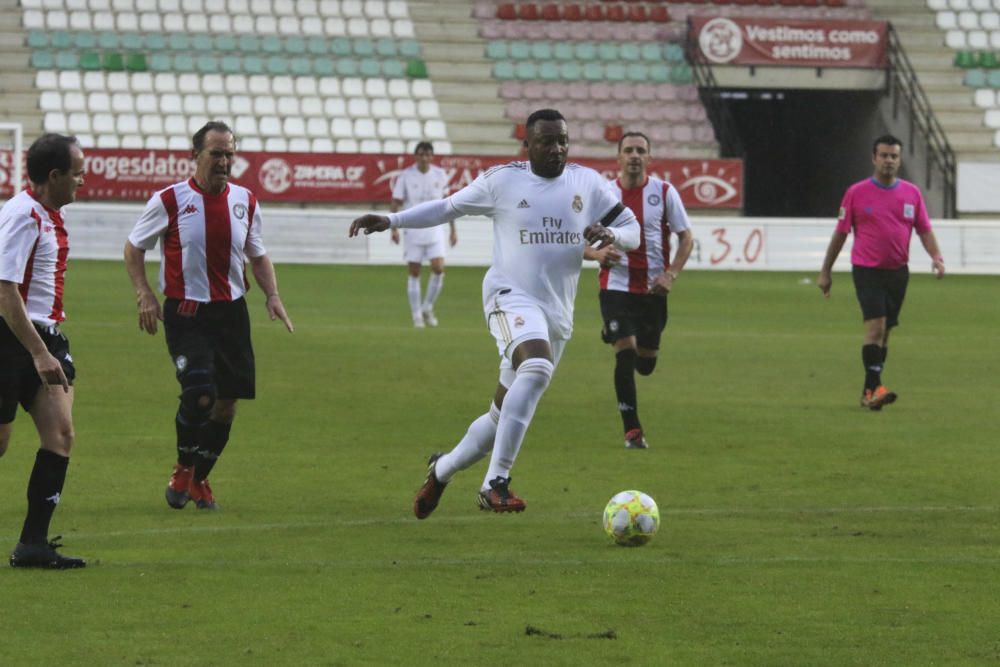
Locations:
(174, 63)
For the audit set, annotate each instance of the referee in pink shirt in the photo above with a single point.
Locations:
(882, 211)
(208, 229)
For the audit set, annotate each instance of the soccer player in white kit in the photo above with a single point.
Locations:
(544, 213)
(420, 182)
(36, 369)
(634, 286)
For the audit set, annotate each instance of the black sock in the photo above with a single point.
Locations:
(213, 438)
(645, 365)
(871, 356)
(885, 353)
(187, 440)
(625, 388)
(44, 488)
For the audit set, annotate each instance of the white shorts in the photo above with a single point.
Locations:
(514, 317)
(418, 253)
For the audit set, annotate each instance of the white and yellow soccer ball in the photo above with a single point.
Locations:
(631, 518)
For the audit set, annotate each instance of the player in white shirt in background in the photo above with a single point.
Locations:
(545, 212)
(634, 286)
(36, 369)
(420, 182)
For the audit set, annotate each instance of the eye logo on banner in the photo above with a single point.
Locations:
(275, 175)
(708, 189)
(720, 40)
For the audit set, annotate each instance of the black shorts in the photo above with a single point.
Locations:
(19, 381)
(215, 337)
(881, 292)
(641, 315)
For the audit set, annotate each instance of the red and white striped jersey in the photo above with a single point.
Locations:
(33, 250)
(660, 211)
(204, 240)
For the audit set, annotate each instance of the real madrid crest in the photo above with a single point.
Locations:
(577, 203)
(240, 211)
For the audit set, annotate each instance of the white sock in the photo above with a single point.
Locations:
(434, 284)
(413, 292)
(476, 444)
(533, 376)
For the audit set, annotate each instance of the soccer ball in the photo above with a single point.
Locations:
(631, 518)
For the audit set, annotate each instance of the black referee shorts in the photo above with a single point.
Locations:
(881, 292)
(19, 381)
(215, 337)
(626, 314)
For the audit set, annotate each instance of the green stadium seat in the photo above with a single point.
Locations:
(136, 62)
(608, 51)
(409, 48)
(276, 65)
(363, 48)
(253, 64)
(386, 48)
(966, 59)
(300, 66)
(416, 69)
(132, 41)
(207, 64)
(614, 71)
(231, 64)
(563, 51)
(369, 68)
(652, 52)
(108, 40)
(681, 73)
(184, 62)
(70, 60)
(659, 73)
(393, 69)
(61, 40)
(519, 50)
(201, 41)
(317, 46)
(156, 41)
(548, 71)
(992, 78)
(225, 43)
(90, 60)
(42, 60)
(161, 62)
(988, 60)
(38, 39)
(323, 66)
(674, 53)
(526, 70)
(295, 45)
(271, 44)
(346, 67)
(502, 69)
(630, 52)
(637, 72)
(249, 43)
(341, 46)
(593, 71)
(571, 71)
(179, 41)
(585, 51)
(84, 41)
(496, 50)
(541, 50)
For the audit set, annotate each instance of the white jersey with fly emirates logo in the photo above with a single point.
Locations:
(538, 226)
(414, 187)
(205, 240)
(660, 211)
(34, 246)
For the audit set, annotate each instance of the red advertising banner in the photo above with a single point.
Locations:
(795, 42)
(314, 178)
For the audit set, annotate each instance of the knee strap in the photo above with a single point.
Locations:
(198, 395)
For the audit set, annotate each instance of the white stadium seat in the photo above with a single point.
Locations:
(294, 126)
(955, 39)
(352, 87)
(410, 129)
(147, 103)
(334, 26)
(241, 104)
(220, 23)
(122, 103)
(947, 20)
(131, 141)
(352, 8)
(992, 119)
(334, 107)
(194, 104)
(403, 28)
(357, 27)
(127, 123)
(174, 22)
(282, 85)
(428, 109)
(151, 124)
(358, 107)
(388, 128)
(404, 109)
(171, 103)
(259, 84)
(46, 79)
(266, 25)
(376, 88)
(117, 82)
(374, 9)
(985, 98)
(80, 21)
(141, 82)
(33, 19)
(317, 127)
(97, 102)
(393, 146)
(978, 39)
(74, 101)
(396, 9)
(175, 125)
(370, 146)
(178, 142)
(381, 108)
(270, 126)
(103, 123)
(265, 105)
(108, 141)
(341, 128)
(305, 85)
(968, 20)
(50, 100)
(235, 84)
(275, 145)
(288, 105)
(243, 23)
(347, 145)
(434, 129)
(165, 82)
(298, 145)
(188, 83)
(150, 22)
(422, 89)
(56, 20)
(245, 126)
(251, 144)
(217, 105)
(381, 28)
(54, 121)
(329, 8)
(398, 88)
(70, 80)
(312, 106)
(238, 6)
(329, 86)
(322, 145)
(78, 123)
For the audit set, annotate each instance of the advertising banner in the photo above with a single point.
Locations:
(793, 42)
(315, 178)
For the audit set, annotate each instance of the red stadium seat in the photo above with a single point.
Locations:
(520, 132)
(527, 12)
(506, 11)
(615, 13)
(572, 13)
(550, 12)
(613, 133)
(659, 14)
(594, 13)
(637, 13)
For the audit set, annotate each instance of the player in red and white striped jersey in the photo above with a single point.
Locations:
(36, 369)
(634, 286)
(207, 228)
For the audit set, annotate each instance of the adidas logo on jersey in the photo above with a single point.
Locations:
(524, 204)
(190, 208)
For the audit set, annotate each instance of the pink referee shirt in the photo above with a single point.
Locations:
(33, 250)
(205, 240)
(883, 219)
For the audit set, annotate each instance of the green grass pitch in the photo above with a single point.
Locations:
(797, 528)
